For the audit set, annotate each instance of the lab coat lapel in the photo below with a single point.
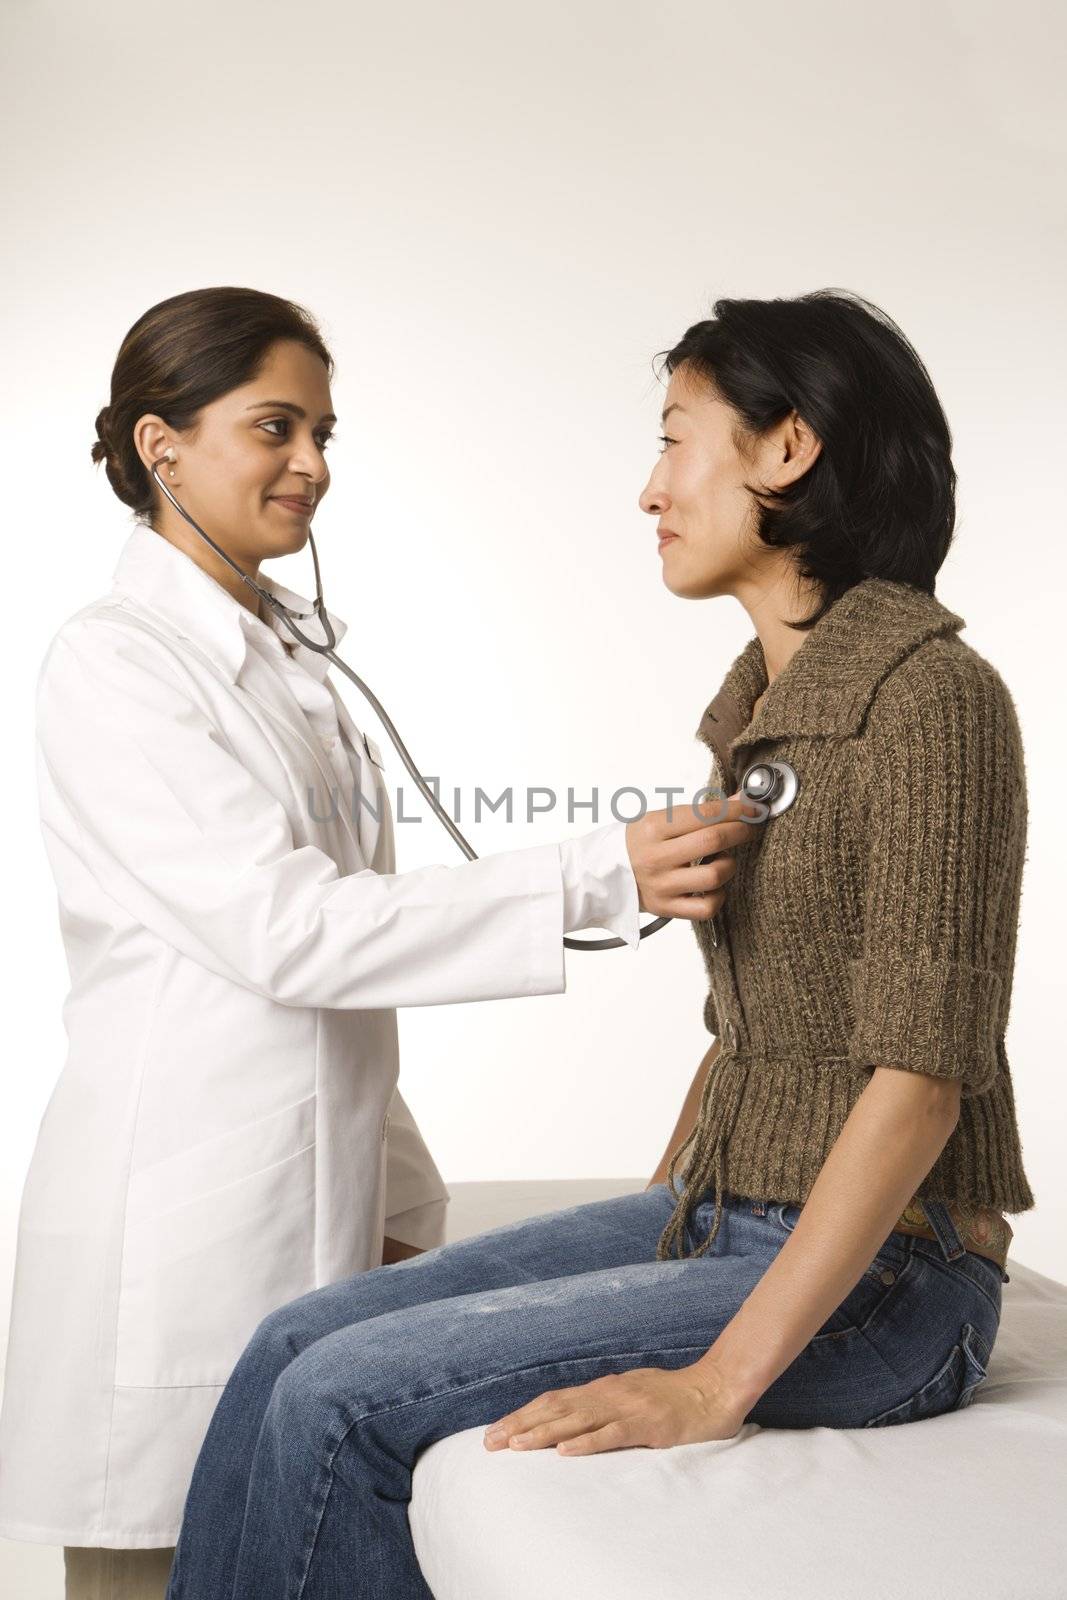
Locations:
(159, 575)
(167, 580)
(370, 796)
(272, 695)
(361, 825)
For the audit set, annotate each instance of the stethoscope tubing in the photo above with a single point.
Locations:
(328, 650)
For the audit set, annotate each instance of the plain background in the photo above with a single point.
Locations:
(499, 214)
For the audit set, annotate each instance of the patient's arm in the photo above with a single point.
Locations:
(687, 1116)
(893, 1135)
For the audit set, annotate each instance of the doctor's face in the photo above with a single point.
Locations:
(697, 492)
(258, 443)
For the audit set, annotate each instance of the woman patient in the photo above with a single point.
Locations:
(823, 1243)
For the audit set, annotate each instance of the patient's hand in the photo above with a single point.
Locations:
(647, 1406)
(667, 852)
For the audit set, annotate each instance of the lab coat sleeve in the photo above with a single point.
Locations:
(416, 1198)
(182, 836)
(599, 887)
(944, 802)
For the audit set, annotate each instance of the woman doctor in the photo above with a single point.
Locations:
(227, 1132)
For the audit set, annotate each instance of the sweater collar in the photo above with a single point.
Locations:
(828, 683)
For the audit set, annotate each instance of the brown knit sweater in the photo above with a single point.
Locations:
(874, 922)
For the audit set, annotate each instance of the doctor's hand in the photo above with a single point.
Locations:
(667, 852)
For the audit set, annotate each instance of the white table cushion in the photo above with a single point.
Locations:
(966, 1506)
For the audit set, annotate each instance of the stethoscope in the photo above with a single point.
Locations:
(774, 783)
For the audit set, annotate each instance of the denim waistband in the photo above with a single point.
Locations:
(990, 1240)
(982, 1231)
(939, 1217)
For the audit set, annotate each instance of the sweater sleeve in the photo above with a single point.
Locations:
(945, 801)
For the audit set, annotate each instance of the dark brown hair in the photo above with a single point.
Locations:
(177, 358)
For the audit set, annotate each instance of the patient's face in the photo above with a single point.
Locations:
(697, 492)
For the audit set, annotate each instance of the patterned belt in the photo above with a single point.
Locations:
(982, 1230)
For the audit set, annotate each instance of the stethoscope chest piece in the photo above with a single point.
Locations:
(773, 783)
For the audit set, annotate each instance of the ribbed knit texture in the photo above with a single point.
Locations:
(874, 922)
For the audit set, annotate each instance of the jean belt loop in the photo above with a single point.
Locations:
(940, 1219)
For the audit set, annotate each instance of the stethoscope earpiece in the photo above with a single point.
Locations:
(772, 783)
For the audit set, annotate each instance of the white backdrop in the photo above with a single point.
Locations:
(499, 213)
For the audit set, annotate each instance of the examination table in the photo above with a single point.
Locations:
(971, 1505)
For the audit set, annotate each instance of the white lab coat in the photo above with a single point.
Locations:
(227, 1132)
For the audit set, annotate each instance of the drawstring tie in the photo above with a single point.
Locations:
(709, 1158)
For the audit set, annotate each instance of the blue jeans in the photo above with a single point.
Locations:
(302, 1484)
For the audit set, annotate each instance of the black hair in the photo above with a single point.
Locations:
(879, 500)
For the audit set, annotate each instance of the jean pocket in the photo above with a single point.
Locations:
(983, 1276)
(951, 1388)
(870, 1294)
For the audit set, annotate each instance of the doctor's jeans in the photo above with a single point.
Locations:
(301, 1488)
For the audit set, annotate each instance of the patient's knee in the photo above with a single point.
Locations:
(279, 1339)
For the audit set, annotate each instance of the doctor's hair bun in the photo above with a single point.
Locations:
(180, 356)
(103, 444)
(116, 466)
